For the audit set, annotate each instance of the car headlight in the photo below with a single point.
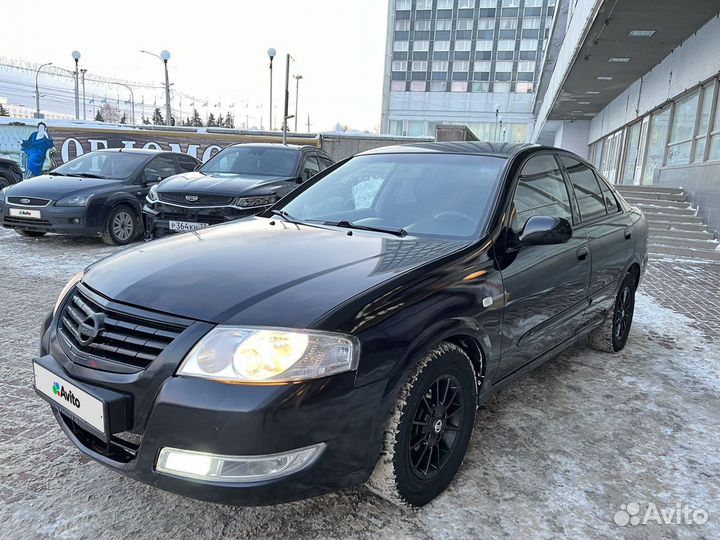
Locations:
(74, 200)
(152, 195)
(66, 289)
(249, 202)
(270, 355)
(2, 194)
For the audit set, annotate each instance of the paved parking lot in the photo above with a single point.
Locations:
(565, 453)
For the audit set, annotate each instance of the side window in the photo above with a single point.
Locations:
(186, 163)
(159, 168)
(310, 167)
(587, 190)
(611, 203)
(324, 162)
(541, 191)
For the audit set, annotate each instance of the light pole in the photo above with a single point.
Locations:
(164, 56)
(497, 112)
(37, 90)
(271, 53)
(83, 72)
(76, 57)
(287, 98)
(297, 93)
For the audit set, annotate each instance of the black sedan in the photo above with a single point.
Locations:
(348, 334)
(96, 194)
(10, 172)
(239, 181)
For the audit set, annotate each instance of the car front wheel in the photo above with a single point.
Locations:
(121, 226)
(429, 429)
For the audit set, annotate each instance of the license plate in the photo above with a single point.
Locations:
(24, 212)
(68, 397)
(184, 226)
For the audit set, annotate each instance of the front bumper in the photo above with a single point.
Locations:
(71, 220)
(158, 216)
(206, 416)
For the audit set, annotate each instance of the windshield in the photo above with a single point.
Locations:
(111, 165)
(253, 160)
(424, 194)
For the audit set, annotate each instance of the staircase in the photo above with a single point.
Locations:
(675, 229)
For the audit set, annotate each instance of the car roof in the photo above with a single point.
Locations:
(142, 151)
(295, 147)
(479, 148)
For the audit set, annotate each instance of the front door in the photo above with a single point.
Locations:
(545, 286)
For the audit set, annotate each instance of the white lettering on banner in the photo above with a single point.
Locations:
(210, 151)
(152, 146)
(65, 147)
(191, 149)
(95, 144)
(128, 144)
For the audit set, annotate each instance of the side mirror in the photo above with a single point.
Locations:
(151, 178)
(545, 230)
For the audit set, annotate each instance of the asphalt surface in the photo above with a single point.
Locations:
(554, 456)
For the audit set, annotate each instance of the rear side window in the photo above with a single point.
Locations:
(541, 191)
(324, 162)
(161, 167)
(587, 190)
(610, 201)
(186, 163)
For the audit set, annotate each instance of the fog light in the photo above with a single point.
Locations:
(220, 468)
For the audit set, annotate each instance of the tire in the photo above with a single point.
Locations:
(421, 454)
(612, 335)
(4, 182)
(30, 234)
(121, 226)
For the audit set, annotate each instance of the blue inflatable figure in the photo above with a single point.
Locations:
(36, 147)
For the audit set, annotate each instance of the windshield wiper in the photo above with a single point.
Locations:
(350, 225)
(83, 175)
(283, 214)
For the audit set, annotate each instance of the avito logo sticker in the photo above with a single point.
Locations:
(60, 392)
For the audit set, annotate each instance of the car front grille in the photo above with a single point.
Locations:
(12, 221)
(202, 199)
(31, 201)
(97, 336)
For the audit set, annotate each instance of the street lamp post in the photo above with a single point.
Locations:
(83, 72)
(271, 53)
(164, 56)
(37, 90)
(76, 57)
(297, 93)
(497, 112)
(287, 99)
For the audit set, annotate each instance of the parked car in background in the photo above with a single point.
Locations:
(96, 194)
(10, 172)
(239, 181)
(347, 334)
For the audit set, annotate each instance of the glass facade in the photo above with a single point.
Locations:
(683, 132)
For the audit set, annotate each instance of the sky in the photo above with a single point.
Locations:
(219, 50)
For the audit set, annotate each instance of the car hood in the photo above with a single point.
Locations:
(252, 272)
(216, 183)
(57, 187)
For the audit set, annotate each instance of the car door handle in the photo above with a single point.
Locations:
(628, 234)
(582, 253)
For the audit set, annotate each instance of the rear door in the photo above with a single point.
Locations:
(309, 166)
(609, 231)
(545, 286)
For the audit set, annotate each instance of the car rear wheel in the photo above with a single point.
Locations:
(30, 234)
(613, 334)
(121, 227)
(429, 429)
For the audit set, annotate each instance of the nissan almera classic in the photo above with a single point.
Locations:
(346, 335)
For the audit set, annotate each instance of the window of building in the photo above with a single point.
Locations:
(611, 155)
(402, 26)
(400, 46)
(528, 44)
(438, 86)
(417, 86)
(423, 4)
(531, 22)
(439, 65)
(442, 25)
(462, 44)
(480, 87)
(703, 121)
(540, 191)
(591, 202)
(507, 23)
(533, 3)
(458, 86)
(399, 65)
(465, 24)
(506, 45)
(442, 46)
(403, 4)
(501, 87)
(484, 45)
(714, 150)
(461, 65)
(682, 130)
(466, 4)
(421, 45)
(526, 66)
(482, 66)
(488, 3)
(422, 26)
(419, 65)
(632, 152)
(510, 3)
(656, 144)
(503, 66)
(524, 87)
(397, 86)
(486, 24)
(444, 4)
